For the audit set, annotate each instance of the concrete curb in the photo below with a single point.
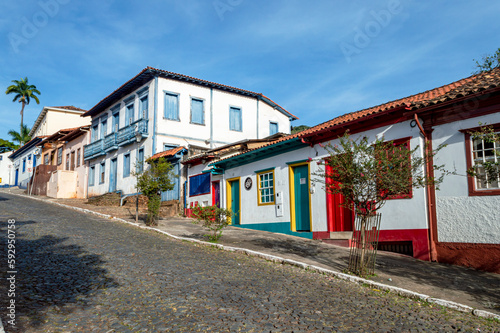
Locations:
(339, 275)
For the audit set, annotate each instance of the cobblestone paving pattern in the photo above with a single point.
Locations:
(80, 273)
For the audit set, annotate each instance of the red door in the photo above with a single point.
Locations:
(216, 193)
(340, 218)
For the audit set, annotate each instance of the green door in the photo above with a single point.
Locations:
(235, 201)
(301, 189)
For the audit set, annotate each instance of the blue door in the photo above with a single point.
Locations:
(233, 200)
(112, 176)
(17, 178)
(173, 194)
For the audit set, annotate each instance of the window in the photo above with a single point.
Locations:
(95, 133)
(104, 128)
(273, 128)
(78, 156)
(484, 155)
(116, 121)
(126, 165)
(265, 184)
(67, 161)
(398, 146)
(59, 156)
(34, 162)
(46, 159)
(129, 114)
(143, 107)
(235, 119)
(171, 106)
(199, 184)
(140, 161)
(91, 175)
(102, 173)
(1, 157)
(24, 165)
(197, 112)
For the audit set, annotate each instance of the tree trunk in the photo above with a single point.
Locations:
(21, 131)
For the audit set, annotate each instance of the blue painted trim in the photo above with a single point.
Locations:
(276, 227)
(211, 117)
(190, 138)
(297, 162)
(264, 170)
(258, 100)
(155, 116)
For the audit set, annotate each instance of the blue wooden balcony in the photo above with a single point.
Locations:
(124, 136)
(93, 150)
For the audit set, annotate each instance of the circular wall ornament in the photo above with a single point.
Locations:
(248, 183)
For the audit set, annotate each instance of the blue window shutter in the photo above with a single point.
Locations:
(126, 165)
(171, 106)
(235, 119)
(130, 114)
(104, 128)
(140, 161)
(273, 128)
(143, 110)
(116, 122)
(199, 184)
(197, 111)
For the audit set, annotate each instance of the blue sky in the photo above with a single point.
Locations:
(318, 59)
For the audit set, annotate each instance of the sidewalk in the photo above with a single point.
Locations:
(434, 282)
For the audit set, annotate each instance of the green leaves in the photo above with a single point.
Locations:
(214, 219)
(156, 179)
(368, 173)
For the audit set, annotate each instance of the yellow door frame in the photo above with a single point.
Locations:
(229, 195)
(291, 187)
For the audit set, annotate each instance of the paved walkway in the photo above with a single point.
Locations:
(475, 289)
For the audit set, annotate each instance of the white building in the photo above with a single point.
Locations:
(157, 111)
(5, 168)
(24, 161)
(273, 188)
(53, 118)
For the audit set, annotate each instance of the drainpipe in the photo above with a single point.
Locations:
(211, 118)
(155, 116)
(258, 100)
(430, 191)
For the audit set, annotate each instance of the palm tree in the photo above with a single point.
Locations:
(20, 137)
(23, 93)
(6, 146)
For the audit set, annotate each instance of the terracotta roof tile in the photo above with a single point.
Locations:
(69, 107)
(167, 153)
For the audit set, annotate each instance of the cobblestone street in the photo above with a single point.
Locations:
(81, 273)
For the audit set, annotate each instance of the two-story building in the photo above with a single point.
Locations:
(159, 110)
(53, 118)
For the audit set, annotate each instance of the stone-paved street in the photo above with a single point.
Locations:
(80, 273)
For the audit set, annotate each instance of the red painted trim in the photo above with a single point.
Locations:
(431, 200)
(471, 255)
(471, 183)
(321, 234)
(418, 237)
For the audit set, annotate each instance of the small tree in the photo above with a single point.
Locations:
(151, 182)
(214, 219)
(367, 174)
(488, 62)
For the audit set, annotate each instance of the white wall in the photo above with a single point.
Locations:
(25, 176)
(216, 125)
(463, 218)
(57, 119)
(5, 168)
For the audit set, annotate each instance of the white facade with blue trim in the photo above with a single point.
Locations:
(159, 110)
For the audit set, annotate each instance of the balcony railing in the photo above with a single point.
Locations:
(111, 141)
(93, 150)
